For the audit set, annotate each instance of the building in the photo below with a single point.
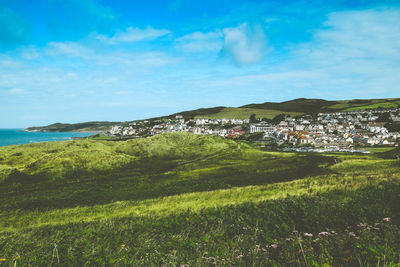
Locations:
(262, 128)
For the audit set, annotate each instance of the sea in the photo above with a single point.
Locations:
(17, 137)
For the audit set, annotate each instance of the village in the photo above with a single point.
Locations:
(339, 131)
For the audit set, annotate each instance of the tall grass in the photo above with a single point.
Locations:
(182, 199)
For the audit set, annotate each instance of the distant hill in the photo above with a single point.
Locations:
(265, 110)
(93, 126)
(305, 105)
(293, 107)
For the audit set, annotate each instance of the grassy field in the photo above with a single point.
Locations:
(184, 199)
(245, 113)
(374, 106)
(294, 107)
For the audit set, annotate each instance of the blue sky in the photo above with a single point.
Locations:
(85, 60)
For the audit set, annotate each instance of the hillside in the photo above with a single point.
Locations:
(180, 198)
(93, 126)
(265, 110)
(293, 107)
(305, 105)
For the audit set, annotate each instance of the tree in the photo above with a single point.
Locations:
(393, 127)
(253, 118)
(384, 117)
(266, 120)
(278, 118)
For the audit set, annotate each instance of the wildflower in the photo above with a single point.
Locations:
(274, 245)
(387, 219)
(2, 259)
(352, 234)
(361, 225)
(308, 234)
(324, 233)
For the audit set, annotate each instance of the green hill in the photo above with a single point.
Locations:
(265, 110)
(293, 107)
(184, 199)
(305, 105)
(93, 126)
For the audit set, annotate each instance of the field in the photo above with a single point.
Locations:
(184, 199)
(245, 113)
(374, 106)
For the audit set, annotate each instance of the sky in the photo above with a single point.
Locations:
(119, 60)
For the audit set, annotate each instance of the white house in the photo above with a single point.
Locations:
(259, 128)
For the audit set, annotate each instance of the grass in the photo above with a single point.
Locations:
(319, 105)
(245, 113)
(100, 137)
(184, 199)
(374, 106)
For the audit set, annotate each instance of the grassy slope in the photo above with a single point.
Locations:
(319, 105)
(245, 113)
(292, 107)
(93, 126)
(181, 198)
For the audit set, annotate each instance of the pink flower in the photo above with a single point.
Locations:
(352, 234)
(274, 245)
(387, 219)
(308, 234)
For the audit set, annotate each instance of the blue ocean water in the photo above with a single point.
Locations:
(16, 137)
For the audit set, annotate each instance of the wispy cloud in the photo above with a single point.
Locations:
(356, 35)
(72, 49)
(199, 42)
(356, 54)
(359, 50)
(245, 44)
(29, 52)
(133, 35)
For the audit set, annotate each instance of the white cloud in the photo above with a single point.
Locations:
(199, 42)
(29, 53)
(355, 55)
(358, 50)
(267, 20)
(356, 35)
(72, 49)
(133, 35)
(245, 44)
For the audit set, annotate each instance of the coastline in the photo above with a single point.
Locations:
(20, 137)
